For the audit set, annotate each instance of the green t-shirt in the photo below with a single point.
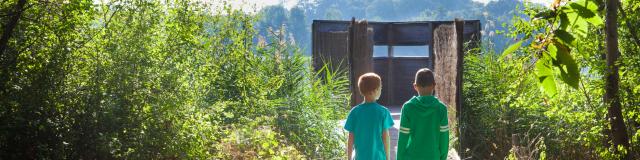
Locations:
(366, 122)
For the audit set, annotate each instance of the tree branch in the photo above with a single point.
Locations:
(633, 33)
(11, 24)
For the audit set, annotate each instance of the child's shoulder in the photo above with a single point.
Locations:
(383, 108)
(380, 107)
(355, 108)
(440, 105)
(376, 108)
(414, 103)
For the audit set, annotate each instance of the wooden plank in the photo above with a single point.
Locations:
(390, 76)
(459, 51)
(361, 53)
(380, 67)
(411, 33)
(404, 72)
(331, 48)
(448, 57)
(405, 69)
(405, 33)
(356, 97)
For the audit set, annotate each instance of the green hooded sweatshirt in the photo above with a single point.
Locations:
(424, 129)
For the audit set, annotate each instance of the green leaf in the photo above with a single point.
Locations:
(545, 14)
(575, 17)
(565, 37)
(563, 60)
(587, 9)
(577, 24)
(512, 48)
(564, 21)
(545, 76)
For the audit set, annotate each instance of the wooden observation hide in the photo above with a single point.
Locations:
(360, 46)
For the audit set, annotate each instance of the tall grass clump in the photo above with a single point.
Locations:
(161, 80)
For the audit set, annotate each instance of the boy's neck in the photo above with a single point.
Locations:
(425, 93)
(369, 99)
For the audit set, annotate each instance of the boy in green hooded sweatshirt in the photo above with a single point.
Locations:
(424, 129)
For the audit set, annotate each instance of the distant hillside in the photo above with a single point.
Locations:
(298, 19)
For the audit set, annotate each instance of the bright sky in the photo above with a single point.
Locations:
(250, 5)
(545, 2)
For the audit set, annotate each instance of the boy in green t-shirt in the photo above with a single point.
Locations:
(368, 123)
(424, 130)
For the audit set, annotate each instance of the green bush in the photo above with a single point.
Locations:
(506, 101)
(503, 100)
(160, 80)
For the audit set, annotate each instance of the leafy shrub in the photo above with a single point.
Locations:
(502, 98)
(160, 80)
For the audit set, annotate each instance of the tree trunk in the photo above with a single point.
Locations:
(611, 98)
(11, 24)
(6, 60)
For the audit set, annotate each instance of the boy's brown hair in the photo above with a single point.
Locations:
(425, 77)
(368, 83)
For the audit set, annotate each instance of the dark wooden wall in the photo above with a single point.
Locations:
(401, 33)
(332, 48)
(395, 71)
(404, 71)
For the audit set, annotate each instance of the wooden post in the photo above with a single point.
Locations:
(355, 95)
(360, 55)
(459, 43)
(431, 47)
(448, 56)
(389, 78)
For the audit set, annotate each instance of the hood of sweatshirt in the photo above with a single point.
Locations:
(425, 105)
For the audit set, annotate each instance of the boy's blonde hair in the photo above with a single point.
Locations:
(424, 78)
(368, 83)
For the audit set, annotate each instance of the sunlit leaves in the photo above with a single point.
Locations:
(546, 76)
(565, 37)
(576, 16)
(557, 58)
(164, 80)
(566, 53)
(512, 48)
(565, 63)
(567, 24)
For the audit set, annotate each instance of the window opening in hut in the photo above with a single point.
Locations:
(411, 51)
(380, 51)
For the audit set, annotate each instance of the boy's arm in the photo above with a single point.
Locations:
(388, 123)
(403, 134)
(444, 134)
(385, 140)
(350, 146)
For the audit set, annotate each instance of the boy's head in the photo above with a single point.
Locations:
(424, 82)
(370, 85)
